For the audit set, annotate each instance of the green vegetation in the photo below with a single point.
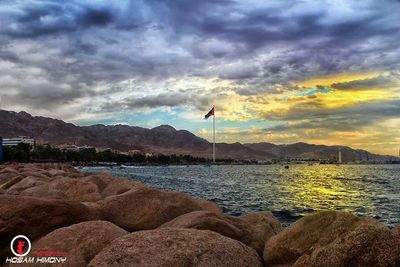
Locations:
(24, 153)
(19, 153)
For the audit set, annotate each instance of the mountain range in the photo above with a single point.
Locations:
(163, 139)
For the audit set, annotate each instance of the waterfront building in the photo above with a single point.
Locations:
(17, 140)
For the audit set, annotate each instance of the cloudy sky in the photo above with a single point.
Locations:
(325, 72)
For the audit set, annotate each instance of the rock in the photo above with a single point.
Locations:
(55, 172)
(333, 239)
(68, 168)
(12, 176)
(76, 175)
(8, 170)
(67, 189)
(226, 225)
(37, 174)
(146, 208)
(396, 230)
(11, 181)
(176, 247)
(94, 208)
(265, 224)
(35, 217)
(27, 182)
(6, 177)
(208, 205)
(109, 185)
(80, 242)
(26, 169)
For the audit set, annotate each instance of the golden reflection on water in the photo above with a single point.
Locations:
(321, 187)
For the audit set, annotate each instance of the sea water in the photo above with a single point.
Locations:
(366, 190)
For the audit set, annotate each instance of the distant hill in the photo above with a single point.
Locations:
(310, 151)
(162, 139)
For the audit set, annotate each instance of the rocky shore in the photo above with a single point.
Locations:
(101, 220)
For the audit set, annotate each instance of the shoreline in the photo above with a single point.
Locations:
(208, 163)
(283, 165)
(127, 211)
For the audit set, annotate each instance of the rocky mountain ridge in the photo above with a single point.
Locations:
(162, 139)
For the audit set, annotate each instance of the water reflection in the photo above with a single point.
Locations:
(321, 187)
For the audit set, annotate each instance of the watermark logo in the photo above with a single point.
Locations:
(20, 246)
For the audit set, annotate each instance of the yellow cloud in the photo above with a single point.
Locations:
(291, 108)
(339, 99)
(327, 80)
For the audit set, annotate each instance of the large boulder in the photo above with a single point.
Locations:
(226, 225)
(80, 242)
(26, 183)
(109, 185)
(176, 247)
(265, 224)
(35, 217)
(334, 239)
(146, 208)
(67, 189)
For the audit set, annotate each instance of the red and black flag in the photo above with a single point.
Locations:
(210, 113)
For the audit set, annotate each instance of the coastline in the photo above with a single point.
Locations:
(149, 220)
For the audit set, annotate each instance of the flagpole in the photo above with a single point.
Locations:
(214, 135)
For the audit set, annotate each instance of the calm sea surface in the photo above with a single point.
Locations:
(370, 190)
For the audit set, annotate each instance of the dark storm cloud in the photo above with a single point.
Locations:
(82, 45)
(44, 98)
(267, 25)
(382, 81)
(7, 56)
(253, 27)
(52, 17)
(345, 119)
(161, 100)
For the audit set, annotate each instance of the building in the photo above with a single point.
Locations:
(74, 148)
(16, 140)
(102, 149)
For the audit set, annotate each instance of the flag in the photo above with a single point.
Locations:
(210, 113)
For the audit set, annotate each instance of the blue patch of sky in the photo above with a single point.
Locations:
(148, 120)
(315, 91)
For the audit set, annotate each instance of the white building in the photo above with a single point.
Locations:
(16, 140)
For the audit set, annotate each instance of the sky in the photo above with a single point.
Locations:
(323, 72)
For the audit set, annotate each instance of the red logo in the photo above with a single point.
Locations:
(20, 249)
(20, 246)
